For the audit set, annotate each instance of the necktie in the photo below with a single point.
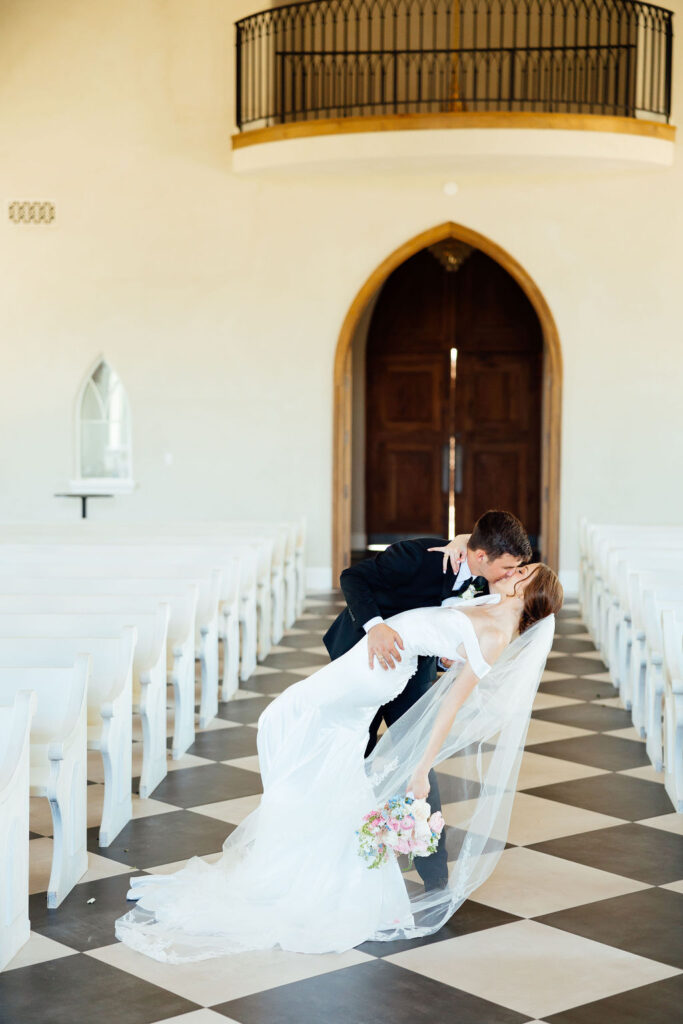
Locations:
(478, 582)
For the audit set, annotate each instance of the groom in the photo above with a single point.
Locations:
(407, 575)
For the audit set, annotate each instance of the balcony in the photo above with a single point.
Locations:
(482, 81)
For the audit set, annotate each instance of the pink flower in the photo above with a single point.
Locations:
(403, 846)
(408, 823)
(394, 824)
(436, 822)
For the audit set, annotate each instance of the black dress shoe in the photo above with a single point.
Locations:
(440, 883)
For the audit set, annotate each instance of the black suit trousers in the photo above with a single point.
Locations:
(433, 870)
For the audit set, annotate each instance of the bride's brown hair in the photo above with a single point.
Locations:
(543, 595)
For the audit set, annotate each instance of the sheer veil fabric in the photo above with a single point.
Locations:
(290, 875)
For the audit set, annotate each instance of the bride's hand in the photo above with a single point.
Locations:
(455, 552)
(419, 785)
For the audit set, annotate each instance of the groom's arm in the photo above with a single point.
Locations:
(397, 566)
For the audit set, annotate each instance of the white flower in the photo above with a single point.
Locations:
(391, 838)
(469, 593)
(420, 810)
(422, 831)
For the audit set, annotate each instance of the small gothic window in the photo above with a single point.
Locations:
(104, 428)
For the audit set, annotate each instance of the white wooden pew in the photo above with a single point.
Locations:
(626, 630)
(647, 710)
(634, 658)
(156, 559)
(178, 592)
(149, 666)
(660, 552)
(673, 707)
(110, 700)
(288, 582)
(15, 726)
(292, 532)
(596, 540)
(58, 755)
(130, 599)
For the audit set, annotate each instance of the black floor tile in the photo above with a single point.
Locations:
(206, 784)
(647, 923)
(224, 744)
(619, 795)
(321, 623)
(579, 688)
(587, 716)
(610, 752)
(295, 660)
(659, 1003)
(574, 666)
(370, 993)
(246, 710)
(323, 608)
(573, 646)
(646, 854)
(79, 924)
(453, 789)
(564, 628)
(81, 990)
(164, 838)
(273, 682)
(297, 641)
(470, 917)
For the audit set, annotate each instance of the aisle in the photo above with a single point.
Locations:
(580, 923)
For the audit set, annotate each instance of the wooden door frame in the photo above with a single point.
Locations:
(552, 390)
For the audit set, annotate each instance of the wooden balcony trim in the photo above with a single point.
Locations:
(505, 119)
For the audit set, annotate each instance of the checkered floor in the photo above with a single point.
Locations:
(579, 924)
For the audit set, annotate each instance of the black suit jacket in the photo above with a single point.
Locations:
(406, 575)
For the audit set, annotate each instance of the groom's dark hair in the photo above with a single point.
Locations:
(500, 533)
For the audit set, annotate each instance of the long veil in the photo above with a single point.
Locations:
(282, 863)
(483, 752)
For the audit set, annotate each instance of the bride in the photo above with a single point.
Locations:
(290, 876)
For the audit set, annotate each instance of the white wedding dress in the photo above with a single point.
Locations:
(290, 875)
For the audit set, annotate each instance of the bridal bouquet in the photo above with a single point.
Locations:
(403, 825)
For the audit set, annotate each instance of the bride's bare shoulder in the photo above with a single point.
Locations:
(492, 640)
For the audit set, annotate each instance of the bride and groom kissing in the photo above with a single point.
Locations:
(290, 875)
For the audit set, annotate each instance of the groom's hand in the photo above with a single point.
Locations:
(383, 644)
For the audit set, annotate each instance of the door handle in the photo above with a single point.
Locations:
(459, 462)
(445, 467)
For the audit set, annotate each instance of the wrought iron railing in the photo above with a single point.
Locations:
(340, 58)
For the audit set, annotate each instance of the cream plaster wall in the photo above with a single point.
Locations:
(219, 298)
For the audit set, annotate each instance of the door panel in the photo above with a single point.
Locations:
(407, 407)
(493, 410)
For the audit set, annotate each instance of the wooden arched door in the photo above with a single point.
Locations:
(454, 378)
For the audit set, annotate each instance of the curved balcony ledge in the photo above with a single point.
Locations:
(488, 142)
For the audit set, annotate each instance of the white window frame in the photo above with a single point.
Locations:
(98, 484)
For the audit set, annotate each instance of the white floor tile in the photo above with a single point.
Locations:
(646, 771)
(529, 883)
(210, 982)
(673, 886)
(232, 811)
(541, 731)
(668, 822)
(200, 1017)
(250, 764)
(552, 700)
(552, 677)
(37, 950)
(629, 733)
(176, 865)
(532, 968)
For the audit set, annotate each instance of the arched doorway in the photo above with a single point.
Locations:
(486, 261)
